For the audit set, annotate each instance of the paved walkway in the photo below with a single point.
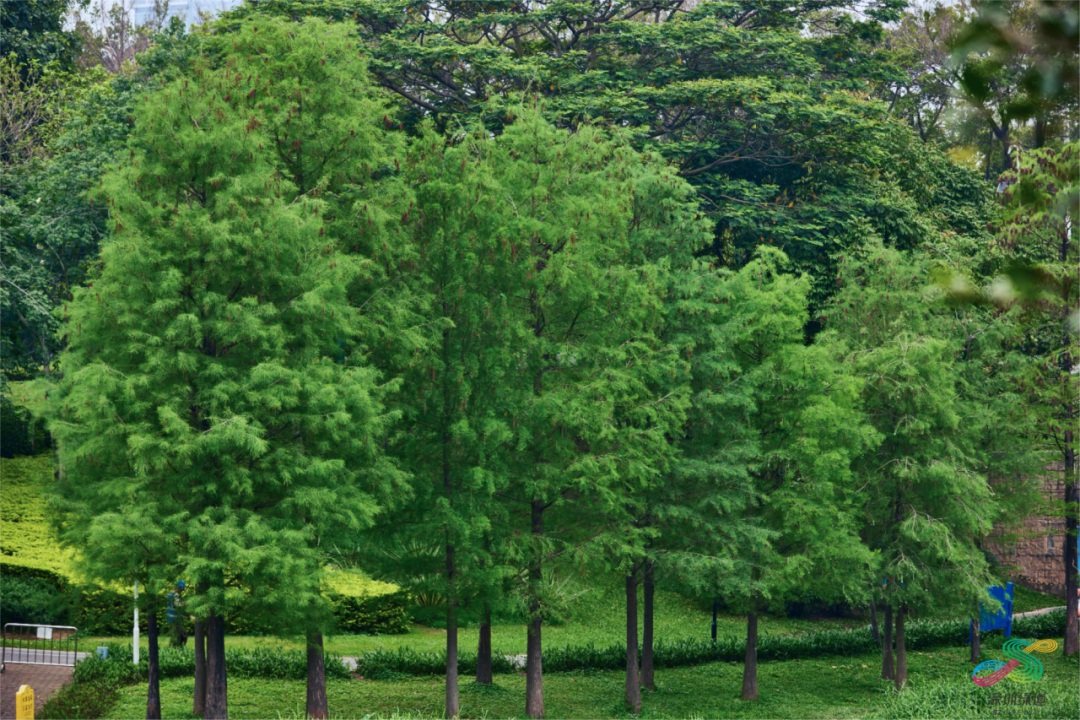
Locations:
(42, 657)
(44, 679)
(1041, 611)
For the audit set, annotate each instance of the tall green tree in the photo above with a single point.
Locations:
(798, 409)
(927, 502)
(450, 248)
(214, 375)
(325, 132)
(589, 416)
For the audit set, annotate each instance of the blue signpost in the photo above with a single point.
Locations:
(1001, 619)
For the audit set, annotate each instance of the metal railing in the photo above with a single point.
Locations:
(39, 644)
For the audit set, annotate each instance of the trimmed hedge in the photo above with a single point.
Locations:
(381, 614)
(387, 664)
(680, 653)
(180, 662)
(21, 571)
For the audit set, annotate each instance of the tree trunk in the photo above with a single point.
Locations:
(633, 682)
(873, 623)
(887, 671)
(483, 654)
(217, 691)
(1072, 492)
(749, 676)
(452, 699)
(647, 631)
(1072, 497)
(153, 687)
(901, 651)
(199, 705)
(976, 635)
(317, 706)
(534, 676)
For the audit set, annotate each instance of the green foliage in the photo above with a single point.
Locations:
(767, 118)
(87, 700)
(52, 228)
(927, 497)
(233, 421)
(33, 30)
(22, 433)
(28, 600)
(118, 668)
(968, 701)
(1025, 600)
(385, 664)
(382, 614)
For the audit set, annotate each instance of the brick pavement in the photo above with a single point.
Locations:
(45, 679)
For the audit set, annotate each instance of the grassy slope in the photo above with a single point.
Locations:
(827, 688)
(1025, 600)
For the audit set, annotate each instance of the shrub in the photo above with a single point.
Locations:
(382, 614)
(28, 599)
(363, 605)
(81, 700)
(271, 664)
(7, 570)
(20, 432)
(405, 661)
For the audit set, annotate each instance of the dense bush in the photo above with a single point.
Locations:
(363, 605)
(27, 599)
(382, 614)
(20, 433)
(180, 662)
(88, 701)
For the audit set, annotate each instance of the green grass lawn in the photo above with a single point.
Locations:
(598, 619)
(837, 687)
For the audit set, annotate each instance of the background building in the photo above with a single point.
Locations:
(188, 10)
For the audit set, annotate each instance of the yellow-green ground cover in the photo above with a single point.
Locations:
(24, 533)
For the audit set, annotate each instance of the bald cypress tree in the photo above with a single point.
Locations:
(927, 501)
(215, 377)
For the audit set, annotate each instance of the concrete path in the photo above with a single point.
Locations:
(1040, 611)
(44, 679)
(41, 657)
